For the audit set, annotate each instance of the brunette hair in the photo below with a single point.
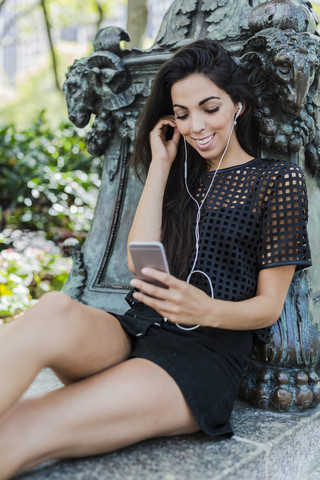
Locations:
(209, 58)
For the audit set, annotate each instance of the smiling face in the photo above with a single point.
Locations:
(204, 116)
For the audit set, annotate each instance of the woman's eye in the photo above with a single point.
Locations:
(181, 117)
(213, 110)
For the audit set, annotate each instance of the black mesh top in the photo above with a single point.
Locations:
(255, 217)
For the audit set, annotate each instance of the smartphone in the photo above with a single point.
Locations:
(149, 254)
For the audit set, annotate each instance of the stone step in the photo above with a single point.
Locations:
(266, 446)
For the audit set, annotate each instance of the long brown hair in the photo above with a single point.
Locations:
(209, 58)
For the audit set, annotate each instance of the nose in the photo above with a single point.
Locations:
(197, 122)
(297, 92)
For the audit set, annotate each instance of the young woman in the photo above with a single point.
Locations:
(234, 229)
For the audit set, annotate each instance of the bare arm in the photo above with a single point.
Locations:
(147, 221)
(184, 303)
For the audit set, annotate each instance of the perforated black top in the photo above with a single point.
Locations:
(255, 217)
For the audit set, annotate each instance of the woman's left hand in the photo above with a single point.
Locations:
(180, 302)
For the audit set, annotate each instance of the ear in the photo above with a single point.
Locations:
(251, 59)
(239, 108)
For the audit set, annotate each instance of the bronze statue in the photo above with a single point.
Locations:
(277, 43)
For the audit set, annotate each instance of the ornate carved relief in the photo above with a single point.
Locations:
(284, 14)
(281, 389)
(281, 56)
(77, 278)
(227, 21)
(98, 85)
(285, 366)
(101, 85)
(283, 67)
(282, 60)
(220, 17)
(191, 19)
(120, 150)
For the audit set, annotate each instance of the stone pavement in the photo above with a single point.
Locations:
(266, 446)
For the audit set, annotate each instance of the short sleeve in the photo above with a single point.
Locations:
(284, 237)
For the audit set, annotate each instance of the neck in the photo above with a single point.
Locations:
(234, 155)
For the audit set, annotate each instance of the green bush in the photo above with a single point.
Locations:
(47, 179)
(25, 276)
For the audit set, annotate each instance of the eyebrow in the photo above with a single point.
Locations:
(200, 103)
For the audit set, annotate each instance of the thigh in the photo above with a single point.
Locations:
(127, 403)
(74, 339)
(132, 401)
(100, 343)
(95, 340)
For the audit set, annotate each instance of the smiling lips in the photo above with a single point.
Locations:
(204, 142)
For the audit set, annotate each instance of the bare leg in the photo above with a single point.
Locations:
(73, 339)
(127, 403)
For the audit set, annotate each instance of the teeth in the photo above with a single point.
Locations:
(205, 140)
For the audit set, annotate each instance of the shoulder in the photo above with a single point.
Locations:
(277, 166)
(278, 170)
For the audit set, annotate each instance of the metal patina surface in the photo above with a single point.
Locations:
(276, 42)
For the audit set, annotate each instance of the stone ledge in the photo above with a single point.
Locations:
(266, 446)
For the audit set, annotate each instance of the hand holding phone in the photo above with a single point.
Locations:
(149, 254)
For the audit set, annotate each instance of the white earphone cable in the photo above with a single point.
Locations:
(199, 206)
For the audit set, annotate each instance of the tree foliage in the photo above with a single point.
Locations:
(48, 181)
(24, 276)
(80, 12)
(316, 7)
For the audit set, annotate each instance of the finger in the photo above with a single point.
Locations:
(159, 275)
(165, 309)
(176, 136)
(150, 289)
(165, 121)
(168, 117)
(160, 132)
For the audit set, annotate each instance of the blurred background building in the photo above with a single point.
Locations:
(24, 41)
(32, 72)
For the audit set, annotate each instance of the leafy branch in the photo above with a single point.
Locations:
(100, 13)
(51, 45)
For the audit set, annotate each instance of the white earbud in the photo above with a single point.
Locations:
(238, 112)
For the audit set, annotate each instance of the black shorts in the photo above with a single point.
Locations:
(207, 363)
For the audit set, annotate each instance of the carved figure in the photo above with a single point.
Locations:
(192, 19)
(283, 65)
(96, 85)
(294, 345)
(282, 397)
(283, 14)
(284, 69)
(281, 57)
(315, 386)
(88, 81)
(295, 339)
(224, 20)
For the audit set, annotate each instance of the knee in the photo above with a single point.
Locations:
(56, 304)
(44, 326)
